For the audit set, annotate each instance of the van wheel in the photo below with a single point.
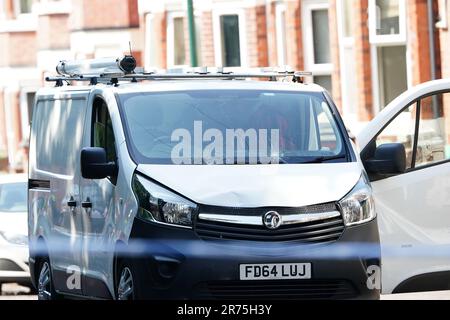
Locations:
(125, 286)
(45, 288)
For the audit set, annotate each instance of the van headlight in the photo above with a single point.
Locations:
(157, 204)
(358, 206)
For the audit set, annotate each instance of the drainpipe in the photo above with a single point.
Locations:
(431, 32)
(192, 40)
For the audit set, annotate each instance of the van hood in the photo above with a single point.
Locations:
(286, 185)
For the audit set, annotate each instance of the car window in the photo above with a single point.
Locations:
(401, 130)
(103, 134)
(13, 197)
(423, 129)
(433, 143)
(300, 125)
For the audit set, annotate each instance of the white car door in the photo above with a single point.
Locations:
(414, 207)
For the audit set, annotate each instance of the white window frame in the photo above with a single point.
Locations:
(377, 41)
(280, 27)
(222, 11)
(149, 21)
(17, 9)
(2, 9)
(443, 13)
(308, 6)
(345, 42)
(25, 120)
(394, 39)
(171, 39)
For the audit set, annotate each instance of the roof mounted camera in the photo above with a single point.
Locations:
(97, 67)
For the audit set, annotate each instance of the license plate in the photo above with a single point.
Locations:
(277, 271)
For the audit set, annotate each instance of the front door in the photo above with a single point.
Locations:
(98, 206)
(414, 207)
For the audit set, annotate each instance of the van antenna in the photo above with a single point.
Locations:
(129, 44)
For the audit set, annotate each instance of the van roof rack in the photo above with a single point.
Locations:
(112, 71)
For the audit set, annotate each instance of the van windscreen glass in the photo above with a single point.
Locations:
(231, 127)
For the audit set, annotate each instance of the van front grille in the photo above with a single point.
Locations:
(279, 289)
(321, 231)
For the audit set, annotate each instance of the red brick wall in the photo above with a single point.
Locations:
(18, 49)
(419, 46)
(90, 14)
(419, 40)
(15, 118)
(363, 61)
(160, 24)
(53, 32)
(207, 40)
(444, 39)
(256, 29)
(294, 45)
(9, 9)
(335, 57)
(272, 34)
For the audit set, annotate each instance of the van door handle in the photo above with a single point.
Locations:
(72, 203)
(86, 204)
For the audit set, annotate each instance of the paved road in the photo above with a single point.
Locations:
(14, 292)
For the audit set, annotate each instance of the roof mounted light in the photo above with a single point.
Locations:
(97, 67)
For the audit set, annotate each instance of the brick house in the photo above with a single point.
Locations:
(365, 52)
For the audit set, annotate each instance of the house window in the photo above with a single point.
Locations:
(392, 73)
(280, 13)
(387, 29)
(229, 36)
(321, 36)
(229, 33)
(388, 17)
(24, 6)
(317, 41)
(176, 40)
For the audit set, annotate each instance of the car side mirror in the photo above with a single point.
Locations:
(94, 164)
(389, 159)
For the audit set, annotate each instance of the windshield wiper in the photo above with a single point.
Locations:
(309, 160)
(325, 159)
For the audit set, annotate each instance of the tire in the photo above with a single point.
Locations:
(45, 287)
(125, 281)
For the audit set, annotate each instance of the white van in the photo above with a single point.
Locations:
(204, 185)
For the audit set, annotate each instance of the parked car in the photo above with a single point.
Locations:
(13, 230)
(134, 192)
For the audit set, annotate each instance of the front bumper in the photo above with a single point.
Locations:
(174, 263)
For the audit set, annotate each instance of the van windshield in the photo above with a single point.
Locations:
(231, 127)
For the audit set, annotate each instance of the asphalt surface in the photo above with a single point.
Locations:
(15, 292)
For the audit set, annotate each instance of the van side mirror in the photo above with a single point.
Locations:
(389, 159)
(94, 164)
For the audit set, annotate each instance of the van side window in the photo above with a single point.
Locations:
(103, 134)
(57, 131)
